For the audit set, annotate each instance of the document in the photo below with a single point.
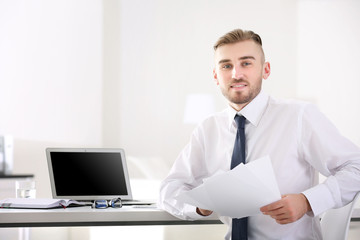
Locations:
(43, 203)
(238, 193)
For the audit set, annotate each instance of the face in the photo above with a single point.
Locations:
(239, 70)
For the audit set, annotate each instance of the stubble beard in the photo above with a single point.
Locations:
(241, 97)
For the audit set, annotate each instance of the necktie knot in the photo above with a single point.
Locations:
(240, 121)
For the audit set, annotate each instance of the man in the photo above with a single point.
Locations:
(298, 138)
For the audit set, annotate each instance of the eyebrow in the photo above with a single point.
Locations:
(241, 58)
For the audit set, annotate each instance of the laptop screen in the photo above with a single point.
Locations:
(88, 174)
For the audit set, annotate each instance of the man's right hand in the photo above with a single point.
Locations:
(203, 212)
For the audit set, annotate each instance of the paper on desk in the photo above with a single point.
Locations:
(237, 193)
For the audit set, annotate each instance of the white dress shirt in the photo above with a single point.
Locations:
(300, 141)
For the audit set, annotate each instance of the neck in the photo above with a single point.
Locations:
(237, 107)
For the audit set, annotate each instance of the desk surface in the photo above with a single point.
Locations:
(16, 176)
(86, 216)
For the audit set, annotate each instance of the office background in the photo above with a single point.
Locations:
(118, 73)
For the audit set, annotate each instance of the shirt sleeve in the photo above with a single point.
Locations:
(186, 174)
(333, 156)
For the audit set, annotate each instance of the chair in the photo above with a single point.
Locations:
(335, 222)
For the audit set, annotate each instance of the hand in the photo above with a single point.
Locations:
(203, 212)
(289, 209)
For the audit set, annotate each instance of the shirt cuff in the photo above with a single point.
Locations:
(320, 199)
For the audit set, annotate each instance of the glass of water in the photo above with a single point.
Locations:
(25, 189)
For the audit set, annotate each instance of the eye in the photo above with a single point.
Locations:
(227, 66)
(245, 64)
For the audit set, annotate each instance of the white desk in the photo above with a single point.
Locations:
(86, 216)
(356, 215)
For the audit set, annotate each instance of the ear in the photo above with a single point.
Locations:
(215, 76)
(266, 70)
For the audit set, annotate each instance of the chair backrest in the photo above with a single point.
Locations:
(335, 222)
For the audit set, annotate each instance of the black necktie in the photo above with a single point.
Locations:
(239, 225)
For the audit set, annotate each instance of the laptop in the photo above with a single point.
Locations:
(89, 174)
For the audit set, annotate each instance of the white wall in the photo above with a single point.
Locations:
(329, 50)
(50, 83)
(50, 78)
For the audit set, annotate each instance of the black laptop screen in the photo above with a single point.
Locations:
(88, 173)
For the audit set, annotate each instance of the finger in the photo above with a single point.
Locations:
(284, 219)
(276, 212)
(281, 204)
(280, 218)
(272, 206)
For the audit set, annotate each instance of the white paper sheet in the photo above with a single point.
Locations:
(237, 193)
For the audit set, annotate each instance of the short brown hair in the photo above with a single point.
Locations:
(238, 35)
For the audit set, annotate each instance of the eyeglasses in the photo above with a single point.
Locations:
(114, 203)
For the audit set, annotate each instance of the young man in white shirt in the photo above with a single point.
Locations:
(298, 138)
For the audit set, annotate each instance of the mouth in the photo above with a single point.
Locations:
(238, 86)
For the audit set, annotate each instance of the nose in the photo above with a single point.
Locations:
(237, 73)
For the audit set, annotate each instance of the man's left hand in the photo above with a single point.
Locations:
(289, 209)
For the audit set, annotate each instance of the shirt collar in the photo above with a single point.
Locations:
(253, 111)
